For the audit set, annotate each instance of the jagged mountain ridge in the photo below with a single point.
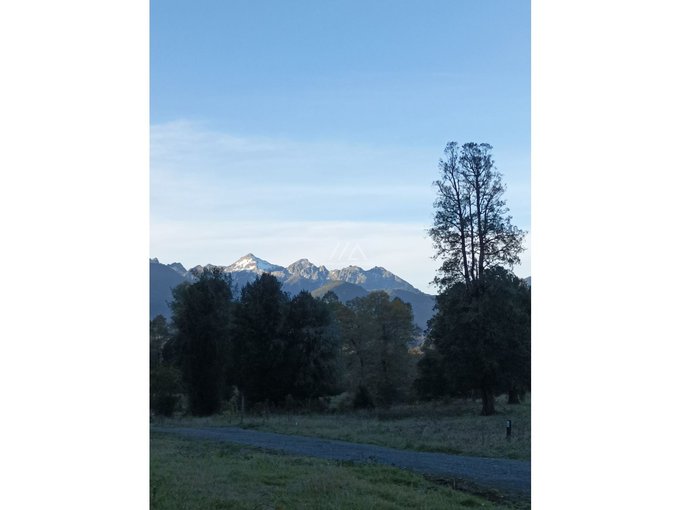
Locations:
(376, 278)
(348, 282)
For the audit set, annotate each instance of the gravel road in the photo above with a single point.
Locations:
(512, 477)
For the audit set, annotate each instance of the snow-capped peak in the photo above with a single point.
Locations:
(250, 262)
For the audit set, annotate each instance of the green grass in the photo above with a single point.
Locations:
(192, 474)
(455, 428)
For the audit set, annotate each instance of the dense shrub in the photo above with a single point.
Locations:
(363, 399)
(166, 389)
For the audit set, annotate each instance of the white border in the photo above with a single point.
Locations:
(604, 143)
(74, 209)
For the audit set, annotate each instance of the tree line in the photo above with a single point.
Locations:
(269, 348)
(261, 345)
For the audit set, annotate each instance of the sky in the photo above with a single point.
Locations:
(309, 129)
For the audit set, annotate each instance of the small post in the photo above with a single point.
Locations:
(508, 429)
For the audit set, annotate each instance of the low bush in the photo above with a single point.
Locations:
(166, 390)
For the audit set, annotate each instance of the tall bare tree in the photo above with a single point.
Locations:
(472, 230)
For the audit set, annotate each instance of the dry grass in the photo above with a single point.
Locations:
(455, 427)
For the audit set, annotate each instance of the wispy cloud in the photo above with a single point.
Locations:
(216, 196)
(403, 248)
(207, 167)
(199, 173)
(181, 145)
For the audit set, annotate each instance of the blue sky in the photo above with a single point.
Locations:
(313, 129)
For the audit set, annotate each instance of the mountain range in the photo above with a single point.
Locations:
(347, 283)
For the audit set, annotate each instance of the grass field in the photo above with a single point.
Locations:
(191, 474)
(455, 427)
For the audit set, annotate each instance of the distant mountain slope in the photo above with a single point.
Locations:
(345, 291)
(162, 279)
(296, 283)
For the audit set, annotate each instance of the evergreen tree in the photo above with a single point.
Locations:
(283, 346)
(313, 347)
(261, 345)
(201, 315)
(482, 339)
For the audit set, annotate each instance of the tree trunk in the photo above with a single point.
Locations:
(461, 229)
(513, 396)
(480, 232)
(488, 402)
(473, 262)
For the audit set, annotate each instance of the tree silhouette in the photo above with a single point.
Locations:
(201, 315)
(472, 229)
(479, 338)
